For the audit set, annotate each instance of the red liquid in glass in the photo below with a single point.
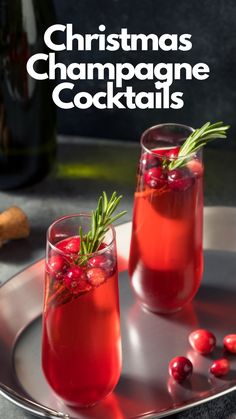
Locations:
(81, 354)
(166, 261)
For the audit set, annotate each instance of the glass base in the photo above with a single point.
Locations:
(81, 406)
(160, 312)
(76, 405)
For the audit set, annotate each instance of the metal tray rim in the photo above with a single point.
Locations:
(148, 415)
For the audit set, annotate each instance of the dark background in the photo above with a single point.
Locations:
(213, 28)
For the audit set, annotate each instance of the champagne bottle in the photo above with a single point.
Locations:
(27, 113)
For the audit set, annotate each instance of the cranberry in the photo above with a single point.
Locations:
(230, 343)
(148, 161)
(57, 266)
(102, 246)
(220, 367)
(160, 152)
(73, 245)
(195, 167)
(179, 180)
(97, 261)
(70, 245)
(180, 368)
(102, 261)
(75, 280)
(96, 276)
(202, 341)
(173, 153)
(155, 178)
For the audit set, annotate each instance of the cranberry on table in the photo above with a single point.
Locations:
(180, 368)
(57, 266)
(155, 178)
(230, 343)
(179, 180)
(202, 341)
(220, 367)
(75, 280)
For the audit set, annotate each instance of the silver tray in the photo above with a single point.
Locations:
(149, 340)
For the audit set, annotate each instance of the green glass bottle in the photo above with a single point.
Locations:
(27, 112)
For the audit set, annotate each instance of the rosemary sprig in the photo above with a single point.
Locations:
(101, 218)
(197, 140)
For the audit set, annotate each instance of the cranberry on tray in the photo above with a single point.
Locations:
(202, 341)
(230, 343)
(180, 368)
(220, 367)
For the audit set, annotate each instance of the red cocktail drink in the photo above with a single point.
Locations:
(81, 351)
(166, 259)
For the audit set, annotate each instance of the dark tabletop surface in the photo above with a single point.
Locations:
(84, 168)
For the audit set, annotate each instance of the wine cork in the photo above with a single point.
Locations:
(14, 224)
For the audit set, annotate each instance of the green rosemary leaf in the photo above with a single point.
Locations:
(116, 217)
(111, 201)
(196, 140)
(94, 224)
(81, 233)
(115, 204)
(200, 131)
(100, 219)
(104, 202)
(99, 207)
(217, 124)
(84, 248)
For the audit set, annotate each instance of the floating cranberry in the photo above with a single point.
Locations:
(102, 246)
(179, 180)
(195, 167)
(160, 152)
(230, 343)
(148, 161)
(173, 153)
(75, 280)
(57, 266)
(180, 368)
(97, 261)
(70, 245)
(220, 367)
(103, 261)
(202, 341)
(73, 245)
(62, 245)
(155, 178)
(96, 276)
